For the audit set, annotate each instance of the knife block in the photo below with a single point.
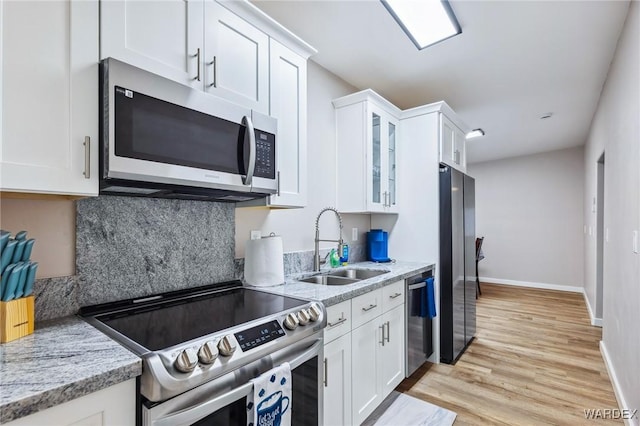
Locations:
(16, 318)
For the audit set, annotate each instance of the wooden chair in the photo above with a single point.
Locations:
(479, 257)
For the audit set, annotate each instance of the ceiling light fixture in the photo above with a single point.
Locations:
(426, 22)
(475, 133)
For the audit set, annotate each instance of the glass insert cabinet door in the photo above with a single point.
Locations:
(376, 166)
(382, 157)
(392, 165)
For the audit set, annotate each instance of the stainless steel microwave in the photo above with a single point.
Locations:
(159, 138)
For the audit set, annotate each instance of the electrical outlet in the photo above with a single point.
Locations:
(590, 231)
(584, 230)
(354, 234)
(606, 235)
(635, 242)
(256, 235)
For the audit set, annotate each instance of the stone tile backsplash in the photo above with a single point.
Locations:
(130, 247)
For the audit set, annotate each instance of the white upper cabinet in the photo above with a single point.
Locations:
(452, 144)
(164, 37)
(367, 152)
(49, 90)
(236, 58)
(199, 43)
(288, 104)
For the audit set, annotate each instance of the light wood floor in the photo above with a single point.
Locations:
(535, 360)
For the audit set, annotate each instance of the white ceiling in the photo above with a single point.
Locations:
(514, 61)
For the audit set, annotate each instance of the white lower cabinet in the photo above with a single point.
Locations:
(364, 354)
(365, 364)
(392, 351)
(337, 381)
(115, 405)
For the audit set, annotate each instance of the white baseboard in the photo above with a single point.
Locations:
(543, 286)
(597, 322)
(622, 404)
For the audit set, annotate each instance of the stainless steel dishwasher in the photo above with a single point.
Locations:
(419, 336)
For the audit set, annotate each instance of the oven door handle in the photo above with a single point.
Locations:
(193, 414)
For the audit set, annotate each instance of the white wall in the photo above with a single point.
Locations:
(297, 226)
(528, 209)
(615, 130)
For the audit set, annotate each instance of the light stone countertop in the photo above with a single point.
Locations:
(67, 358)
(334, 294)
(62, 360)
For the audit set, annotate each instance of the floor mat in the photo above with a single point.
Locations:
(405, 410)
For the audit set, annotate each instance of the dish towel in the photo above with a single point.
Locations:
(270, 402)
(430, 298)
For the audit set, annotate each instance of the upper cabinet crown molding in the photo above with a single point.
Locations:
(261, 20)
(440, 106)
(368, 95)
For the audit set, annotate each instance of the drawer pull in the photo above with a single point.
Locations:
(393, 296)
(369, 308)
(340, 321)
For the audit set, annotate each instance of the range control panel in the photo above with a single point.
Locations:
(259, 335)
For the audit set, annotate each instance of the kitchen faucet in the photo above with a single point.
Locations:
(316, 255)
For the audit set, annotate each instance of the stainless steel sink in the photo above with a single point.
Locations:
(329, 280)
(359, 274)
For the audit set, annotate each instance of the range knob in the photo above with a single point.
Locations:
(208, 353)
(226, 346)
(291, 321)
(314, 312)
(303, 317)
(186, 361)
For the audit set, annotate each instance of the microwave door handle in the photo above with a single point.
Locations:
(246, 120)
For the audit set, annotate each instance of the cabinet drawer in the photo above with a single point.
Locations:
(392, 296)
(366, 307)
(338, 321)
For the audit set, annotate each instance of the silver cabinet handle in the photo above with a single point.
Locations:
(382, 339)
(215, 73)
(87, 157)
(278, 183)
(326, 372)
(197, 55)
(393, 296)
(340, 321)
(246, 120)
(370, 307)
(388, 331)
(457, 156)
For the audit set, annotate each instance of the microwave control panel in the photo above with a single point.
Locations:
(265, 155)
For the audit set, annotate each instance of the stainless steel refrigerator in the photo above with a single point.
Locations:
(457, 263)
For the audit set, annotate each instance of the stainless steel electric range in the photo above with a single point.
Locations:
(201, 347)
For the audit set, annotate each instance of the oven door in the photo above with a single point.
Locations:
(223, 401)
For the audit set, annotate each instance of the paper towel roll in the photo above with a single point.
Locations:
(263, 262)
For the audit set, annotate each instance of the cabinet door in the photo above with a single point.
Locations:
(447, 137)
(376, 157)
(392, 352)
(49, 87)
(288, 104)
(392, 156)
(115, 405)
(459, 151)
(337, 382)
(160, 36)
(366, 375)
(236, 58)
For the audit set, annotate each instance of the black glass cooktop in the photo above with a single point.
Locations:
(176, 321)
